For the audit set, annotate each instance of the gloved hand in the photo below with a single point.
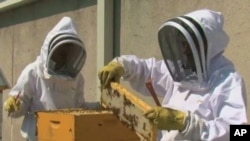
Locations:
(111, 73)
(167, 118)
(12, 105)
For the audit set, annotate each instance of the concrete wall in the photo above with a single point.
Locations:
(140, 20)
(22, 32)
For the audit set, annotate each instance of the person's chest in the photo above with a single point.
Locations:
(55, 94)
(197, 103)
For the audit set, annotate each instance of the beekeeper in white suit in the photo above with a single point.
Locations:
(203, 94)
(53, 81)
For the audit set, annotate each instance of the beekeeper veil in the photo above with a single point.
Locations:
(65, 55)
(190, 43)
(63, 51)
(183, 45)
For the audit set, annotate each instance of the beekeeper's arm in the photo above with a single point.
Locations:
(24, 86)
(136, 71)
(229, 107)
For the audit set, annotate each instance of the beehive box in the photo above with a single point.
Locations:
(120, 119)
(129, 109)
(82, 125)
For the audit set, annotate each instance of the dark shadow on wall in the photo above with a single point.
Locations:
(117, 27)
(40, 9)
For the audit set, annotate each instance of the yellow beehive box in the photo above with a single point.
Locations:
(120, 119)
(82, 125)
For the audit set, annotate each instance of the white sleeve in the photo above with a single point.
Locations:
(26, 85)
(139, 71)
(228, 108)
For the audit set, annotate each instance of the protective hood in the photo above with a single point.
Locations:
(188, 44)
(63, 34)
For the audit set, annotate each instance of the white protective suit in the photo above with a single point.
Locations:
(220, 102)
(41, 91)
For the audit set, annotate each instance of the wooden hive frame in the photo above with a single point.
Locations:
(129, 109)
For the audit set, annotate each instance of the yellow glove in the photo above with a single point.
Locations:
(12, 105)
(111, 73)
(167, 118)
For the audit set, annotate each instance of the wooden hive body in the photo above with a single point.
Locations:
(120, 119)
(82, 125)
(129, 110)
